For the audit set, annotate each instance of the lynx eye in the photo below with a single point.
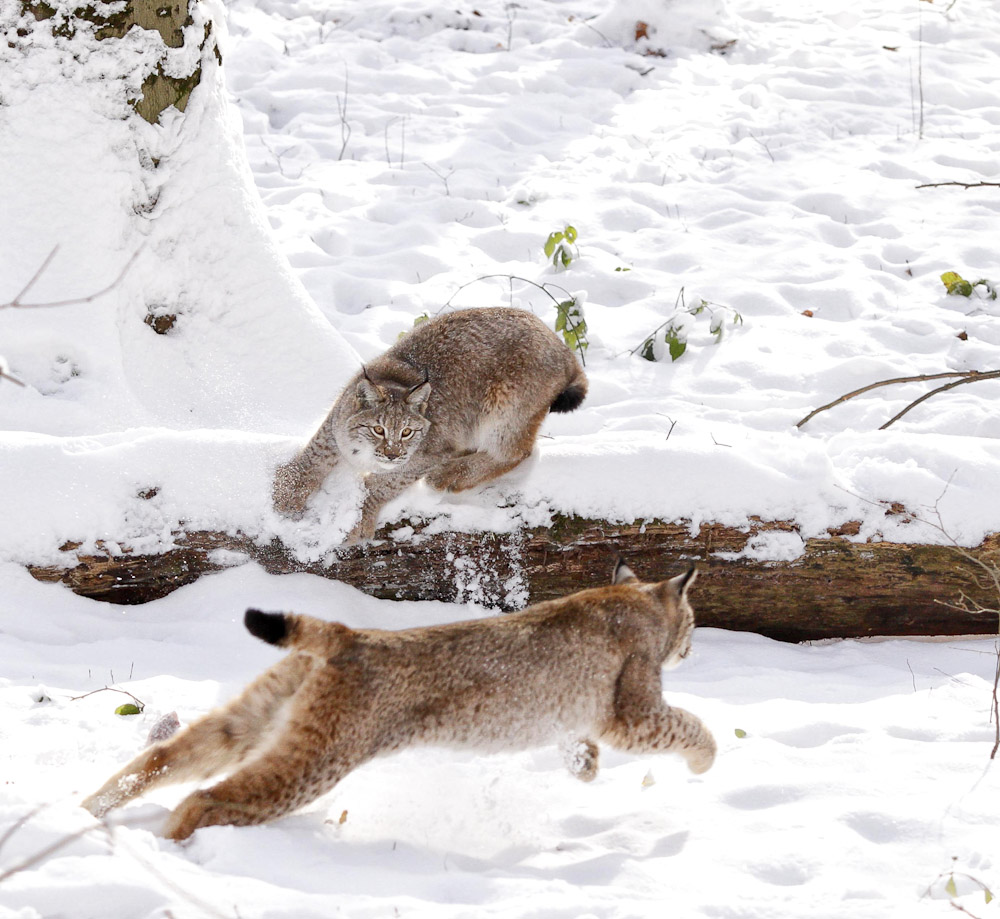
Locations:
(379, 431)
(406, 433)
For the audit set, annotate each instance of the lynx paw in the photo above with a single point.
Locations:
(701, 758)
(200, 809)
(582, 759)
(288, 493)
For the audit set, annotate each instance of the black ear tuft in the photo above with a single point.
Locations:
(684, 581)
(622, 573)
(269, 627)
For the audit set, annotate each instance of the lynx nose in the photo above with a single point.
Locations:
(392, 451)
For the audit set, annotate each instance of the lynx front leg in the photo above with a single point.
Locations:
(219, 740)
(297, 480)
(380, 489)
(644, 723)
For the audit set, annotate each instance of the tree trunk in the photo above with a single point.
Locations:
(837, 588)
(161, 88)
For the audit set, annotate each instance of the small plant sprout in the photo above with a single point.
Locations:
(674, 331)
(560, 248)
(947, 879)
(571, 324)
(957, 286)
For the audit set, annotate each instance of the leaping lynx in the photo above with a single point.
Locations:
(578, 670)
(458, 400)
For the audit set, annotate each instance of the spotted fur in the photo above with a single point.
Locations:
(576, 671)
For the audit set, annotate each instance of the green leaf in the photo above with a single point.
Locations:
(570, 321)
(675, 344)
(423, 317)
(950, 887)
(739, 732)
(956, 284)
(565, 256)
(619, 268)
(570, 233)
(128, 709)
(550, 244)
(647, 351)
(989, 894)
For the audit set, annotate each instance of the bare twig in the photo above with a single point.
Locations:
(995, 713)
(510, 278)
(961, 184)
(139, 703)
(43, 854)
(17, 302)
(920, 68)
(345, 128)
(965, 376)
(443, 177)
(6, 376)
(992, 374)
(19, 823)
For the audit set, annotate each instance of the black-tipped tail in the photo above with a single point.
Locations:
(571, 397)
(269, 627)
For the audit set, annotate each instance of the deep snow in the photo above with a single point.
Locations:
(389, 156)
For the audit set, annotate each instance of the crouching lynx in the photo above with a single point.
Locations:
(458, 400)
(578, 670)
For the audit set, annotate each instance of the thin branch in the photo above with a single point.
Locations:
(43, 854)
(19, 823)
(961, 184)
(968, 376)
(41, 270)
(345, 128)
(996, 709)
(6, 376)
(992, 374)
(139, 703)
(17, 303)
(510, 278)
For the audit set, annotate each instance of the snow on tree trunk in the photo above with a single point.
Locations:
(121, 149)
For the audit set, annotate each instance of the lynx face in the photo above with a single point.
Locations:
(387, 428)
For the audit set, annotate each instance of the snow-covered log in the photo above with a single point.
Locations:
(836, 588)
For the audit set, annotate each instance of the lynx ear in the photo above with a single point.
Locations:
(368, 393)
(417, 397)
(622, 574)
(678, 586)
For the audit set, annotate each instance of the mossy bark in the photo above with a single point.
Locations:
(836, 588)
(170, 18)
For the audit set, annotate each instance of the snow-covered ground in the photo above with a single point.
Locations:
(763, 157)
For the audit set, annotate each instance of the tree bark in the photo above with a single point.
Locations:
(160, 88)
(836, 588)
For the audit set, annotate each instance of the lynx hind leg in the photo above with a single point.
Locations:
(510, 446)
(220, 740)
(644, 723)
(302, 761)
(582, 758)
(277, 782)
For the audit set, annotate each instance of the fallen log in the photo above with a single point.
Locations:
(836, 588)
